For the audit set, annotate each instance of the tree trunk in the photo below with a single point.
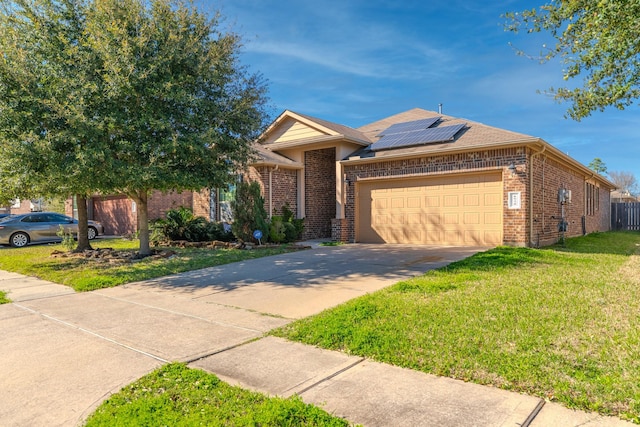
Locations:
(143, 222)
(83, 227)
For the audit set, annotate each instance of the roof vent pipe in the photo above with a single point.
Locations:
(440, 108)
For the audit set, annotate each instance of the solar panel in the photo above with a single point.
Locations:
(410, 126)
(418, 137)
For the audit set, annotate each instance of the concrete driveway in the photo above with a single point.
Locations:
(303, 283)
(64, 353)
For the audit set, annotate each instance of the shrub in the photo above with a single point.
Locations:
(248, 211)
(219, 231)
(295, 226)
(291, 233)
(181, 224)
(68, 241)
(277, 230)
(285, 228)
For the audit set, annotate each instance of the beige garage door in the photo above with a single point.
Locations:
(454, 210)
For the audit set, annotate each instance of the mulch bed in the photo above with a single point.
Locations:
(113, 256)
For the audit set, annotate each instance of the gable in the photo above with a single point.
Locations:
(292, 130)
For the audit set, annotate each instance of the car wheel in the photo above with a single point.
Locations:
(92, 233)
(19, 240)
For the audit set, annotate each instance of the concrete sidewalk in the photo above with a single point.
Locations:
(63, 353)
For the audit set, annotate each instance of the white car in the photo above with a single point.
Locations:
(21, 229)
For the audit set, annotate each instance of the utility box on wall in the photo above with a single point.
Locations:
(564, 196)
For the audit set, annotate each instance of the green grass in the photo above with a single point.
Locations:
(175, 395)
(86, 275)
(3, 298)
(561, 323)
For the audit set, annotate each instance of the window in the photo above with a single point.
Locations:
(225, 197)
(58, 218)
(592, 198)
(33, 218)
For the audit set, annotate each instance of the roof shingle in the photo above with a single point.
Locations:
(475, 134)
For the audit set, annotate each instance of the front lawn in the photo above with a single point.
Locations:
(175, 395)
(85, 274)
(561, 323)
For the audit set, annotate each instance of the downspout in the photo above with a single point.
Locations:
(531, 242)
(271, 170)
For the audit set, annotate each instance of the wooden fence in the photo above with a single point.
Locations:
(625, 216)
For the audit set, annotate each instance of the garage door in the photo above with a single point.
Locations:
(116, 214)
(454, 210)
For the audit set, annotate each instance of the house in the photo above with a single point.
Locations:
(622, 196)
(20, 206)
(417, 177)
(421, 177)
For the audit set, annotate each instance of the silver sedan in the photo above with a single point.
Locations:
(35, 227)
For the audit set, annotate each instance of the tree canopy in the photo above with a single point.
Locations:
(48, 144)
(123, 96)
(598, 165)
(596, 40)
(625, 181)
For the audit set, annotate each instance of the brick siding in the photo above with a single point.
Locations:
(285, 188)
(549, 176)
(202, 204)
(159, 203)
(320, 192)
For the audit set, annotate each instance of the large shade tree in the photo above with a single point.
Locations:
(181, 110)
(597, 41)
(169, 106)
(48, 146)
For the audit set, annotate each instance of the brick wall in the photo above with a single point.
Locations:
(202, 204)
(549, 177)
(159, 203)
(25, 207)
(320, 192)
(285, 187)
(427, 166)
(117, 215)
(514, 221)
(285, 190)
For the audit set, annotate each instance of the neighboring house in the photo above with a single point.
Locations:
(20, 206)
(621, 196)
(417, 177)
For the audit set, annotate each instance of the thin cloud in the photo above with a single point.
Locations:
(339, 39)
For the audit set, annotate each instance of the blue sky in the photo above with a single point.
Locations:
(356, 61)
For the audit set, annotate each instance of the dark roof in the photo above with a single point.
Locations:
(474, 135)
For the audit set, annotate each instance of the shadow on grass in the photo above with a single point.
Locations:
(498, 258)
(503, 257)
(611, 242)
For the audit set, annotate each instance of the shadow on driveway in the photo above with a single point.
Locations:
(303, 283)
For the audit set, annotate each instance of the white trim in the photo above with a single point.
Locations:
(514, 199)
